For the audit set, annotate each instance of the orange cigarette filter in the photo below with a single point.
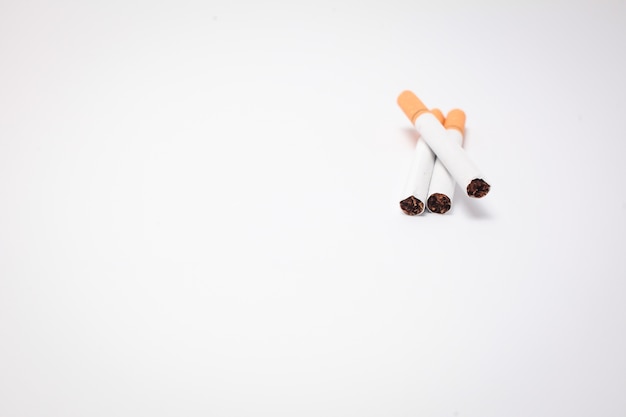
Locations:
(455, 120)
(411, 105)
(439, 115)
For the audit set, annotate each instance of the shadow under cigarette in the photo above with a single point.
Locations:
(411, 135)
(474, 206)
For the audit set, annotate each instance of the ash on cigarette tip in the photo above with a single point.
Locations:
(478, 188)
(439, 203)
(411, 206)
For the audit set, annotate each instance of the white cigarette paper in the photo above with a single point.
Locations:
(416, 188)
(451, 154)
(441, 189)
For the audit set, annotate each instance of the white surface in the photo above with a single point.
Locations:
(199, 210)
(420, 173)
(441, 181)
(454, 157)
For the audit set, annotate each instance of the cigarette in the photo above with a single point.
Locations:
(416, 188)
(441, 189)
(458, 164)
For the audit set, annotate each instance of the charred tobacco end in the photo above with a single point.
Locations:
(411, 206)
(478, 188)
(439, 203)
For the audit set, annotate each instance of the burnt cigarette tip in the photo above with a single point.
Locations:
(412, 206)
(439, 203)
(478, 188)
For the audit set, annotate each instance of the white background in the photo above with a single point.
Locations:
(199, 210)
